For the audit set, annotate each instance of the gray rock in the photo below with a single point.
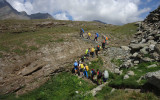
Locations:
(144, 50)
(150, 37)
(151, 47)
(136, 62)
(135, 55)
(156, 56)
(116, 71)
(130, 73)
(152, 66)
(151, 42)
(113, 89)
(158, 35)
(143, 41)
(125, 48)
(90, 63)
(137, 46)
(97, 89)
(139, 33)
(126, 64)
(76, 92)
(157, 48)
(147, 59)
(134, 41)
(154, 78)
(125, 77)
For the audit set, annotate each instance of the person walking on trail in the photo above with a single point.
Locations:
(87, 68)
(105, 76)
(85, 71)
(83, 58)
(103, 44)
(81, 69)
(87, 52)
(89, 35)
(93, 72)
(92, 52)
(99, 76)
(97, 49)
(76, 66)
(96, 37)
(81, 32)
(106, 39)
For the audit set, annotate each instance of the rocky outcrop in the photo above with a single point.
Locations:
(145, 47)
(154, 78)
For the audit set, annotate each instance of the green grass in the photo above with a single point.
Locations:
(117, 62)
(124, 95)
(103, 93)
(59, 87)
(132, 81)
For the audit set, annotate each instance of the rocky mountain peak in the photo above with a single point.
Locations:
(8, 12)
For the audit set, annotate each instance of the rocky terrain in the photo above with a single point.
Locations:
(145, 47)
(57, 44)
(8, 12)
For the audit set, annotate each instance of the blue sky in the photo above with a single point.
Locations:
(109, 11)
(152, 4)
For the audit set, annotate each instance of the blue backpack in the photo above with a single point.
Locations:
(97, 34)
(75, 64)
(82, 30)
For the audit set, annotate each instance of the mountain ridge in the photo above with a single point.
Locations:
(8, 12)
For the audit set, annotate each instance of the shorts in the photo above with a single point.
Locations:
(99, 77)
(75, 67)
(92, 53)
(81, 70)
(87, 55)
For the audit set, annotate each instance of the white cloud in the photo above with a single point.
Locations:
(61, 16)
(109, 11)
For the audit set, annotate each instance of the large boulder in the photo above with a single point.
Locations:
(152, 66)
(127, 64)
(154, 78)
(125, 48)
(137, 46)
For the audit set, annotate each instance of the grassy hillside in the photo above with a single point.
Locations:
(21, 36)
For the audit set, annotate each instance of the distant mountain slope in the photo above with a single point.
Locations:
(8, 12)
(41, 16)
(99, 21)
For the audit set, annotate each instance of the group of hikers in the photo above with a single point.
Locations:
(82, 69)
(89, 35)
